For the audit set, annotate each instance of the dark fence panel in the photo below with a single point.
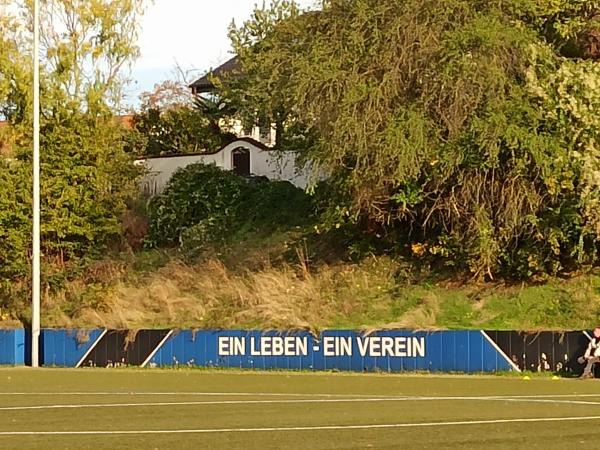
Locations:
(123, 348)
(543, 351)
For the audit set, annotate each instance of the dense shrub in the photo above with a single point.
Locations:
(84, 193)
(203, 204)
(173, 131)
(277, 204)
(195, 193)
(15, 220)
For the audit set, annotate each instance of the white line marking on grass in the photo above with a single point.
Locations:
(294, 401)
(305, 428)
(207, 402)
(540, 400)
(215, 394)
(280, 394)
(548, 396)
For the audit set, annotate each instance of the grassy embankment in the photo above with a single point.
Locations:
(274, 282)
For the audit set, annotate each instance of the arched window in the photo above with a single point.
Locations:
(241, 161)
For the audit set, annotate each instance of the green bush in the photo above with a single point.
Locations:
(195, 238)
(15, 220)
(86, 181)
(203, 205)
(173, 131)
(277, 204)
(194, 194)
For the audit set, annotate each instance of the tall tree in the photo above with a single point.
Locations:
(86, 175)
(87, 45)
(172, 121)
(250, 93)
(464, 125)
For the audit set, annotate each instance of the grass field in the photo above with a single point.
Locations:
(128, 408)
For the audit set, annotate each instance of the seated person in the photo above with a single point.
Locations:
(592, 355)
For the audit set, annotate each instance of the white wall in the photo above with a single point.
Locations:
(274, 165)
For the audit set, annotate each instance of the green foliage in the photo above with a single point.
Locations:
(203, 205)
(461, 127)
(84, 192)
(276, 204)
(250, 96)
(197, 194)
(15, 73)
(84, 64)
(571, 26)
(196, 238)
(174, 131)
(15, 222)
(86, 177)
(172, 121)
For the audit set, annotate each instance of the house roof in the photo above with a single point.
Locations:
(205, 84)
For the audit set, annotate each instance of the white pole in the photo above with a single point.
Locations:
(35, 304)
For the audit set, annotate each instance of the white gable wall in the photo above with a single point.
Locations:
(271, 164)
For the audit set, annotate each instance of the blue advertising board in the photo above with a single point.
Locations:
(386, 351)
(12, 347)
(344, 350)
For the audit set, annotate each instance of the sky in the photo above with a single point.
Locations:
(188, 33)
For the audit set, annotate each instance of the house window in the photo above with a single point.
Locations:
(241, 161)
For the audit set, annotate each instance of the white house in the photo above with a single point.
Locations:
(251, 154)
(245, 156)
(204, 87)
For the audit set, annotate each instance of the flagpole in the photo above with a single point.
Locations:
(35, 303)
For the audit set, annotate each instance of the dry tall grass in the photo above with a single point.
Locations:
(422, 317)
(211, 295)
(372, 294)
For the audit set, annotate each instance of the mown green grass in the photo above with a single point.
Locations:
(237, 401)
